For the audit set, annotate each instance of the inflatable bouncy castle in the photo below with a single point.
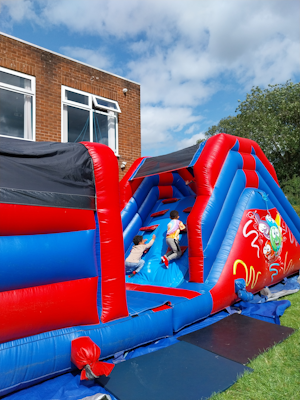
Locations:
(67, 225)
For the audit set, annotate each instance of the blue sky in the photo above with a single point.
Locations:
(194, 59)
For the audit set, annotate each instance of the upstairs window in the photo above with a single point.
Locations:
(86, 117)
(17, 105)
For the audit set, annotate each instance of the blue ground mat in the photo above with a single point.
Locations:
(180, 371)
(238, 337)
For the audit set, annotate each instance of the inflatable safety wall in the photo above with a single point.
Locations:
(51, 212)
(66, 228)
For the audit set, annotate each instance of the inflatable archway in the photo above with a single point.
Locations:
(66, 226)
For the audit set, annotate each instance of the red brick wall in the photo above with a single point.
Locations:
(52, 71)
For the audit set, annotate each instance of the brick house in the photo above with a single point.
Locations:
(45, 96)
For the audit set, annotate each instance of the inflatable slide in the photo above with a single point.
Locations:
(67, 225)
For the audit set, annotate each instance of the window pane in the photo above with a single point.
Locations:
(78, 124)
(100, 129)
(77, 97)
(15, 114)
(106, 103)
(14, 80)
(104, 129)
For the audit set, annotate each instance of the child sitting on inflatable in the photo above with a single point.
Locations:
(134, 262)
(174, 228)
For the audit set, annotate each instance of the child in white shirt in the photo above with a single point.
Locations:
(134, 262)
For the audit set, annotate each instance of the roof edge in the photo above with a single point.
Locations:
(68, 58)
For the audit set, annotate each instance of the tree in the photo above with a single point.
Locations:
(291, 188)
(271, 117)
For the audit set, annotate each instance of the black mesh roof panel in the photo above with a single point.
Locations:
(46, 173)
(169, 162)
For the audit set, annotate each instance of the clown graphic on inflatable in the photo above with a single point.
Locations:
(272, 231)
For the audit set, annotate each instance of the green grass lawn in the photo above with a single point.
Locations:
(276, 372)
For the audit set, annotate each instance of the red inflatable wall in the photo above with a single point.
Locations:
(112, 255)
(206, 171)
(38, 309)
(18, 219)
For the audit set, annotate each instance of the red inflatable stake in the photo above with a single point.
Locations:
(85, 355)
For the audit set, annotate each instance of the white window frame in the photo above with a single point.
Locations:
(28, 92)
(102, 107)
(88, 107)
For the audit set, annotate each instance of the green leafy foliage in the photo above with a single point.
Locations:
(270, 117)
(291, 188)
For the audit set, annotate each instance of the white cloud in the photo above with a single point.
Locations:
(273, 62)
(181, 144)
(184, 44)
(252, 43)
(16, 11)
(158, 124)
(140, 46)
(118, 18)
(97, 58)
(191, 129)
(172, 78)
